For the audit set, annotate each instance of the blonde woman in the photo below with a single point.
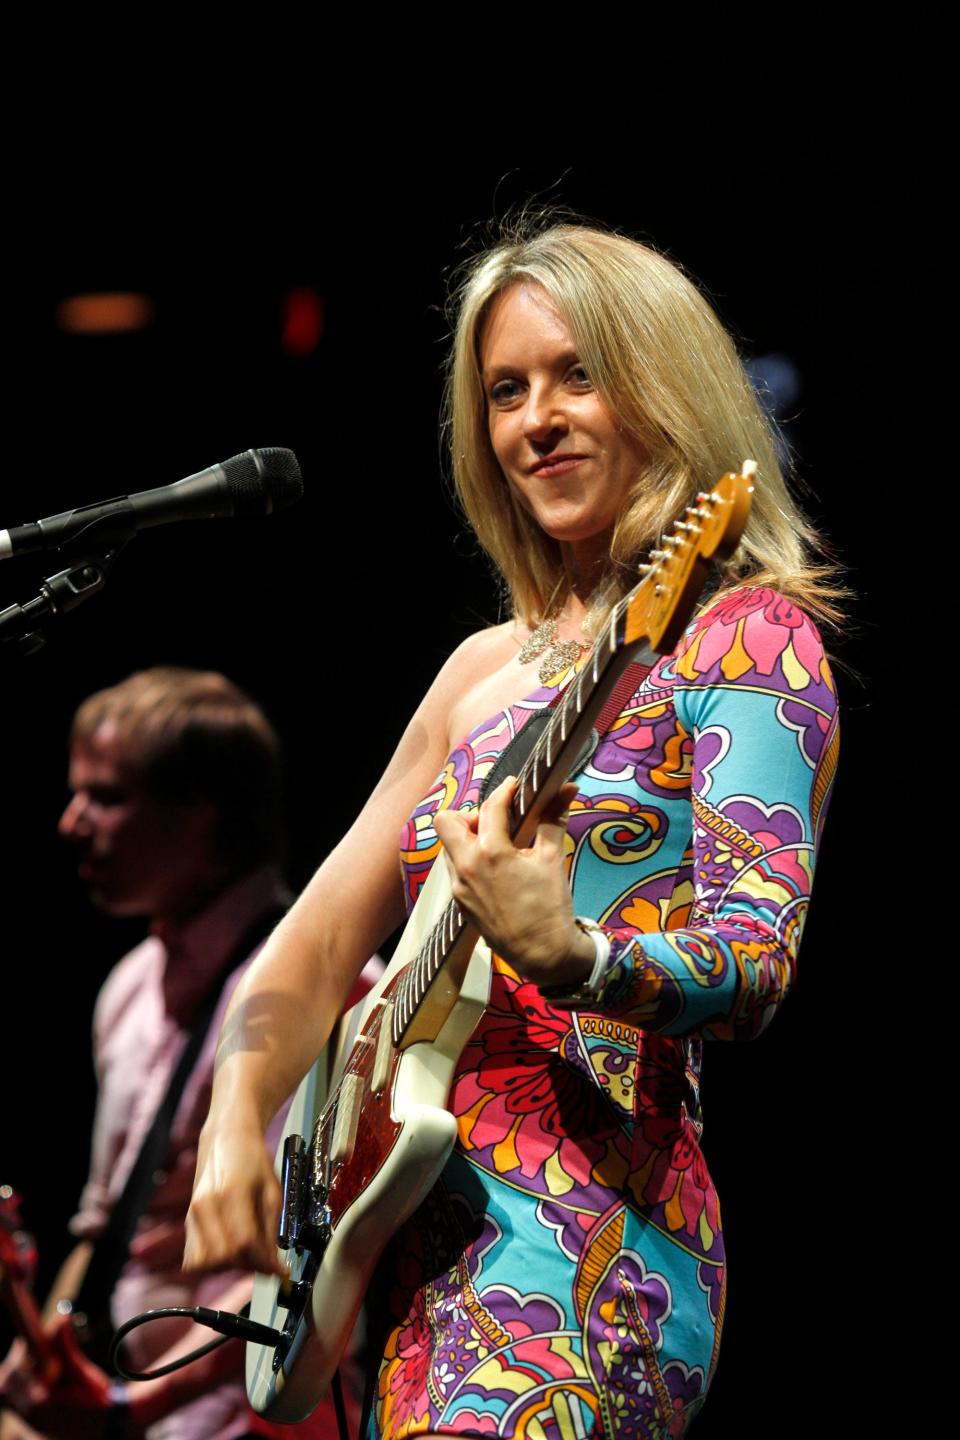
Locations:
(566, 1274)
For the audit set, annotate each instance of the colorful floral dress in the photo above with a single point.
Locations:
(565, 1278)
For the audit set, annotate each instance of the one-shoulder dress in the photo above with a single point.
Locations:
(565, 1278)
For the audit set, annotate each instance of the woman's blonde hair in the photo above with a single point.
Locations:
(671, 376)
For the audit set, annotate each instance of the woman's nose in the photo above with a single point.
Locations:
(544, 417)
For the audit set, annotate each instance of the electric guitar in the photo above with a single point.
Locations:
(18, 1260)
(368, 1132)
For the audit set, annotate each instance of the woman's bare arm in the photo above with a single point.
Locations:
(281, 1013)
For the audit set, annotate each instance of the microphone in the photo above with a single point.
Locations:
(254, 483)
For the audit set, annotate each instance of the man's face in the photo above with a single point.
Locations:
(138, 855)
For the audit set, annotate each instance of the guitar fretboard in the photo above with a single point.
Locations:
(560, 735)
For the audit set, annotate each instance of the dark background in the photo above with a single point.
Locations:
(794, 208)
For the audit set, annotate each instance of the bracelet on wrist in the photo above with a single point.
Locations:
(588, 990)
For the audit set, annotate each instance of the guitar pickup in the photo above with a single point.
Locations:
(384, 1056)
(349, 1101)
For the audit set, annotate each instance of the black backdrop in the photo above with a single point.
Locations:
(337, 613)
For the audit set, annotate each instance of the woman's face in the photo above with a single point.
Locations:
(564, 455)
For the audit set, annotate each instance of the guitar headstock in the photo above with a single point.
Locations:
(661, 605)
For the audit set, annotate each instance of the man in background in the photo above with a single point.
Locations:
(175, 815)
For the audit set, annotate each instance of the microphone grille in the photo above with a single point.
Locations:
(261, 481)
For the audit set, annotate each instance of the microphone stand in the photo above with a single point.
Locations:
(24, 625)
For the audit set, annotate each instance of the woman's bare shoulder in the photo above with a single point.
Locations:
(487, 649)
(482, 677)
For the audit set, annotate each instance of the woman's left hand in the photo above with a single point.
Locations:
(519, 900)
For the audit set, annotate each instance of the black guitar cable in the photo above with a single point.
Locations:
(229, 1326)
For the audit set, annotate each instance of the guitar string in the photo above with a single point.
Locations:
(326, 1120)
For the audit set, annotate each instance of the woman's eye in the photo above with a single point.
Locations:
(504, 391)
(578, 374)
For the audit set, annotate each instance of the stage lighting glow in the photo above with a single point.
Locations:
(303, 314)
(108, 312)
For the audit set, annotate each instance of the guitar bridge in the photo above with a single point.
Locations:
(293, 1185)
(304, 1213)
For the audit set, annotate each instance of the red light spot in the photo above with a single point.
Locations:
(302, 321)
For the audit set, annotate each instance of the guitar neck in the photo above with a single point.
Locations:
(655, 611)
(568, 735)
(449, 946)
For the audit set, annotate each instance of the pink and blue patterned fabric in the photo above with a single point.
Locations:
(565, 1279)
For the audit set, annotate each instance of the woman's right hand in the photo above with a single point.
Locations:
(233, 1216)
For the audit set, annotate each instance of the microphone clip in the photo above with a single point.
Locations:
(24, 625)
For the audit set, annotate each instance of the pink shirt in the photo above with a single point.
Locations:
(139, 1034)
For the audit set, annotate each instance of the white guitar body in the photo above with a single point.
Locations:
(419, 1080)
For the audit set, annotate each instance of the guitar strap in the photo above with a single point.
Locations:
(626, 687)
(110, 1253)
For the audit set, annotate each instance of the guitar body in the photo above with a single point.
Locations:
(382, 1135)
